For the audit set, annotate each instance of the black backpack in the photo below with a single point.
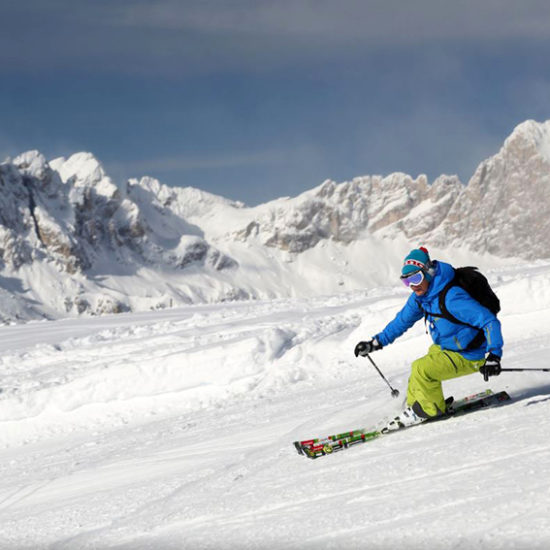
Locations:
(477, 286)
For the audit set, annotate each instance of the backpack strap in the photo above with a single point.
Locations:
(478, 339)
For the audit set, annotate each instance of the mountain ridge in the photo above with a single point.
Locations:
(73, 241)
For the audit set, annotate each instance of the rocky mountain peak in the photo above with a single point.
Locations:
(344, 212)
(505, 208)
(529, 138)
(82, 172)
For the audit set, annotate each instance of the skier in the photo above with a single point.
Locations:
(457, 349)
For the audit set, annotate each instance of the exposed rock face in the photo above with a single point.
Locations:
(71, 213)
(505, 209)
(343, 212)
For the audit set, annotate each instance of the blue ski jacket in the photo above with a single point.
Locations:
(450, 336)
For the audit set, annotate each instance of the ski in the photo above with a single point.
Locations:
(314, 448)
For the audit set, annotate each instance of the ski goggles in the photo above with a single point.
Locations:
(413, 279)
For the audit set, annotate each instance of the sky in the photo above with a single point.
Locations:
(254, 99)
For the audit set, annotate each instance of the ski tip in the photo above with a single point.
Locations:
(309, 452)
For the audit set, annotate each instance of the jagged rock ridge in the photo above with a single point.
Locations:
(344, 212)
(85, 219)
(505, 209)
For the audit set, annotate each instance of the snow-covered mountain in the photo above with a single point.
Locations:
(73, 241)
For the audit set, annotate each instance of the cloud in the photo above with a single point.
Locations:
(389, 21)
(171, 37)
(183, 163)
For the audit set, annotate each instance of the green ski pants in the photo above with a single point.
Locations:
(429, 371)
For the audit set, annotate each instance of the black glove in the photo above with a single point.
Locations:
(491, 367)
(364, 348)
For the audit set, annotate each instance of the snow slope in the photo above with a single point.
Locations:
(174, 429)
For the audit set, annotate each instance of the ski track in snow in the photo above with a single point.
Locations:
(174, 429)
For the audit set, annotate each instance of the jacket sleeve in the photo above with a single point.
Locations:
(470, 311)
(404, 320)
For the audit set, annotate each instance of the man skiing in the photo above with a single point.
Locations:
(459, 348)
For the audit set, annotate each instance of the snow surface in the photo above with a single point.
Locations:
(174, 429)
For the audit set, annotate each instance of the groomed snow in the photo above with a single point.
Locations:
(174, 429)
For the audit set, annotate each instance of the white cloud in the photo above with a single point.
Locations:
(177, 37)
(182, 163)
(389, 21)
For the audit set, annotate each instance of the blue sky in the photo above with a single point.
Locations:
(254, 99)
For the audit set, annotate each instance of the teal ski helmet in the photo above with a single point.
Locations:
(418, 260)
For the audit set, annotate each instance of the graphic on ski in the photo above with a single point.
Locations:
(314, 448)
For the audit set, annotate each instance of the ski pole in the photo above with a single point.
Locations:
(524, 370)
(394, 392)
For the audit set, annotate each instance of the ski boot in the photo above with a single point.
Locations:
(405, 419)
